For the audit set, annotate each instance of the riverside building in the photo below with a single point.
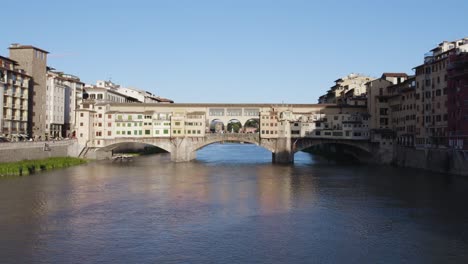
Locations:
(346, 88)
(402, 110)
(14, 90)
(107, 91)
(431, 93)
(457, 96)
(64, 94)
(378, 107)
(33, 61)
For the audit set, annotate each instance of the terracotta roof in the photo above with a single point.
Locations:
(8, 59)
(394, 74)
(161, 99)
(26, 47)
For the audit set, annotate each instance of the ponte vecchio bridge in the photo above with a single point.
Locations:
(182, 129)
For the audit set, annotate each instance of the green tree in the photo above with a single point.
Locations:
(234, 127)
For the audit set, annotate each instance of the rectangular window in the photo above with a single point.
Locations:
(140, 116)
(81, 114)
(109, 124)
(109, 133)
(166, 131)
(118, 132)
(147, 132)
(119, 117)
(129, 132)
(140, 132)
(129, 117)
(156, 132)
(177, 123)
(81, 123)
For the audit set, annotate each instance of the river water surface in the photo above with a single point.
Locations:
(232, 205)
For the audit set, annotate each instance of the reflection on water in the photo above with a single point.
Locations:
(232, 205)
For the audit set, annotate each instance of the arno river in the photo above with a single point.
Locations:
(232, 205)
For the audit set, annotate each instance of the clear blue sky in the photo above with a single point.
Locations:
(235, 51)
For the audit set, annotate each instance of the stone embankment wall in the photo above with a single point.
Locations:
(439, 160)
(17, 151)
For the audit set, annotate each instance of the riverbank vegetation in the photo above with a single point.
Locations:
(27, 167)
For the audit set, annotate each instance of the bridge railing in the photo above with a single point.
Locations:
(249, 137)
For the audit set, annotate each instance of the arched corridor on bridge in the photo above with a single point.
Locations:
(251, 126)
(234, 126)
(217, 126)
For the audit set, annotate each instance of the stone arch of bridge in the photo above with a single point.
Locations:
(356, 150)
(162, 145)
(302, 144)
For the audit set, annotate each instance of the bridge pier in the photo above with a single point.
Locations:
(182, 150)
(283, 153)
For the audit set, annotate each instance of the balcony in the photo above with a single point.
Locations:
(428, 57)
